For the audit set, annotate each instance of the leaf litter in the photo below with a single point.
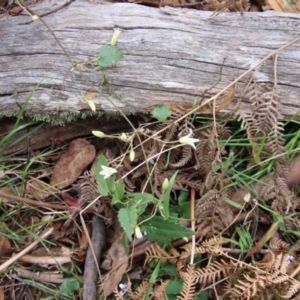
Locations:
(241, 191)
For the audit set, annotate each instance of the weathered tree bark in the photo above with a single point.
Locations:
(170, 55)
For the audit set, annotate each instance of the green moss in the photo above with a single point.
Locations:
(62, 118)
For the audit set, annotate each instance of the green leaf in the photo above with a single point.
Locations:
(128, 220)
(167, 195)
(155, 273)
(106, 186)
(174, 287)
(69, 286)
(164, 231)
(202, 296)
(233, 203)
(104, 81)
(183, 197)
(118, 194)
(109, 55)
(141, 201)
(161, 112)
(169, 269)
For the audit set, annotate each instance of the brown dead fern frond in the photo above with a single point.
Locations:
(140, 291)
(213, 272)
(247, 288)
(159, 292)
(276, 243)
(263, 125)
(188, 289)
(156, 253)
(277, 191)
(186, 181)
(212, 214)
(186, 155)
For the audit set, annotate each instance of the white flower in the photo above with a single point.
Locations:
(107, 171)
(123, 137)
(187, 140)
(92, 105)
(99, 134)
(137, 232)
(131, 155)
(247, 197)
(35, 18)
(115, 37)
(165, 184)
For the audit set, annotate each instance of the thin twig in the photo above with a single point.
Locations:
(50, 12)
(5, 265)
(35, 203)
(193, 245)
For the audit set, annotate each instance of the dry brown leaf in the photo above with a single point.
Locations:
(15, 10)
(4, 246)
(90, 94)
(72, 163)
(118, 261)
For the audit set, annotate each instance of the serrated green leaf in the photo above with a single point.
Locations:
(109, 55)
(128, 220)
(161, 112)
(164, 231)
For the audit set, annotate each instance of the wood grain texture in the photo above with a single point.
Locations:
(170, 55)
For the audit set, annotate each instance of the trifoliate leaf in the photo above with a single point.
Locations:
(164, 231)
(128, 219)
(161, 112)
(109, 56)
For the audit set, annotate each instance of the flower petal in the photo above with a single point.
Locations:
(107, 171)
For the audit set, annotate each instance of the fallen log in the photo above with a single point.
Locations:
(171, 55)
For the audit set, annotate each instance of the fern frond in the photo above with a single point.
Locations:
(293, 287)
(186, 155)
(156, 253)
(188, 290)
(247, 288)
(212, 272)
(159, 292)
(276, 243)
